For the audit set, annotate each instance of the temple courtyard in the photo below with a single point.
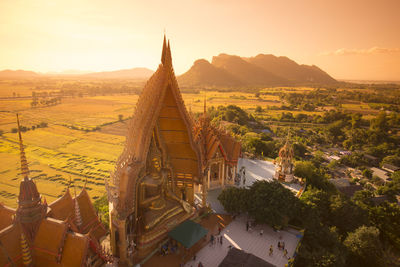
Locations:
(236, 235)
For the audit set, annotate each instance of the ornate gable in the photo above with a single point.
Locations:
(160, 106)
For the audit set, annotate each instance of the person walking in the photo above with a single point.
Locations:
(261, 232)
(271, 250)
(285, 253)
(220, 240)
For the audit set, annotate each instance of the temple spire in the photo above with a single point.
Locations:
(168, 57)
(26, 251)
(164, 50)
(24, 162)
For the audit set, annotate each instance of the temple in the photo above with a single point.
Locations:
(65, 233)
(220, 152)
(152, 188)
(284, 164)
(167, 157)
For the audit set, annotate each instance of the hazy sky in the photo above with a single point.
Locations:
(349, 39)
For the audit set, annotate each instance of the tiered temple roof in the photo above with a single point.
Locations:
(40, 235)
(159, 103)
(211, 138)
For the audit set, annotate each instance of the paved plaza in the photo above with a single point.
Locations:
(256, 170)
(235, 235)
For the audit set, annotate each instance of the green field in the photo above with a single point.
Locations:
(68, 149)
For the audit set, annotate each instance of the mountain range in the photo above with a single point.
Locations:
(261, 70)
(135, 73)
(223, 71)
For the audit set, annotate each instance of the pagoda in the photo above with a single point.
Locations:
(152, 188)
(65, 233)
(284, 164)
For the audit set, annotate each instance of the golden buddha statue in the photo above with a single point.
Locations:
(157, 202)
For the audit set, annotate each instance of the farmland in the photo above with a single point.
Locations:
(82, 136)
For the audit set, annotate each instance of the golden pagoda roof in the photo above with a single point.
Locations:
(160, 103)
(210, 138)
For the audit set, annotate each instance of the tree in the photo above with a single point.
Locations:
(271, 203)
(299, 150)
(307, 170)
(258, 109)
(364, 246)
(320, 246)
(265, 202)
(101, 206)
(120, 117)
(386, 217)
(234, 200)
(345, 215)
(367, 173)
(318, 201)
(335, 132)
(392, 159)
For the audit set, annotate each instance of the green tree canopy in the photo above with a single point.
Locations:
(365, 247)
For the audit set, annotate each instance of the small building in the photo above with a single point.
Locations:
(220, 152)
(343, 186)
(390, 168)
(382, 174)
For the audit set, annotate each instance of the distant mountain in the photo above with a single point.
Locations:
(202, 73)
(135, 73)
(18, 74)
(250, 74)
(290, 70)
(262, 70)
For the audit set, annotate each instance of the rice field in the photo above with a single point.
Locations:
(68, 149)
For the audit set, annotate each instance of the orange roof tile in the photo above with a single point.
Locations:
(75, 250)
(49, 240)
(7, 216)
(231, 147)
(89, 216)
(10, 246)
(63, 207)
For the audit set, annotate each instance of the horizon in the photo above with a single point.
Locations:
(349, 41)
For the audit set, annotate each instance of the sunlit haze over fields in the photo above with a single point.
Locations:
(348, 39)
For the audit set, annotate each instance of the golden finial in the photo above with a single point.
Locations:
(164, 50)
(24, 162)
